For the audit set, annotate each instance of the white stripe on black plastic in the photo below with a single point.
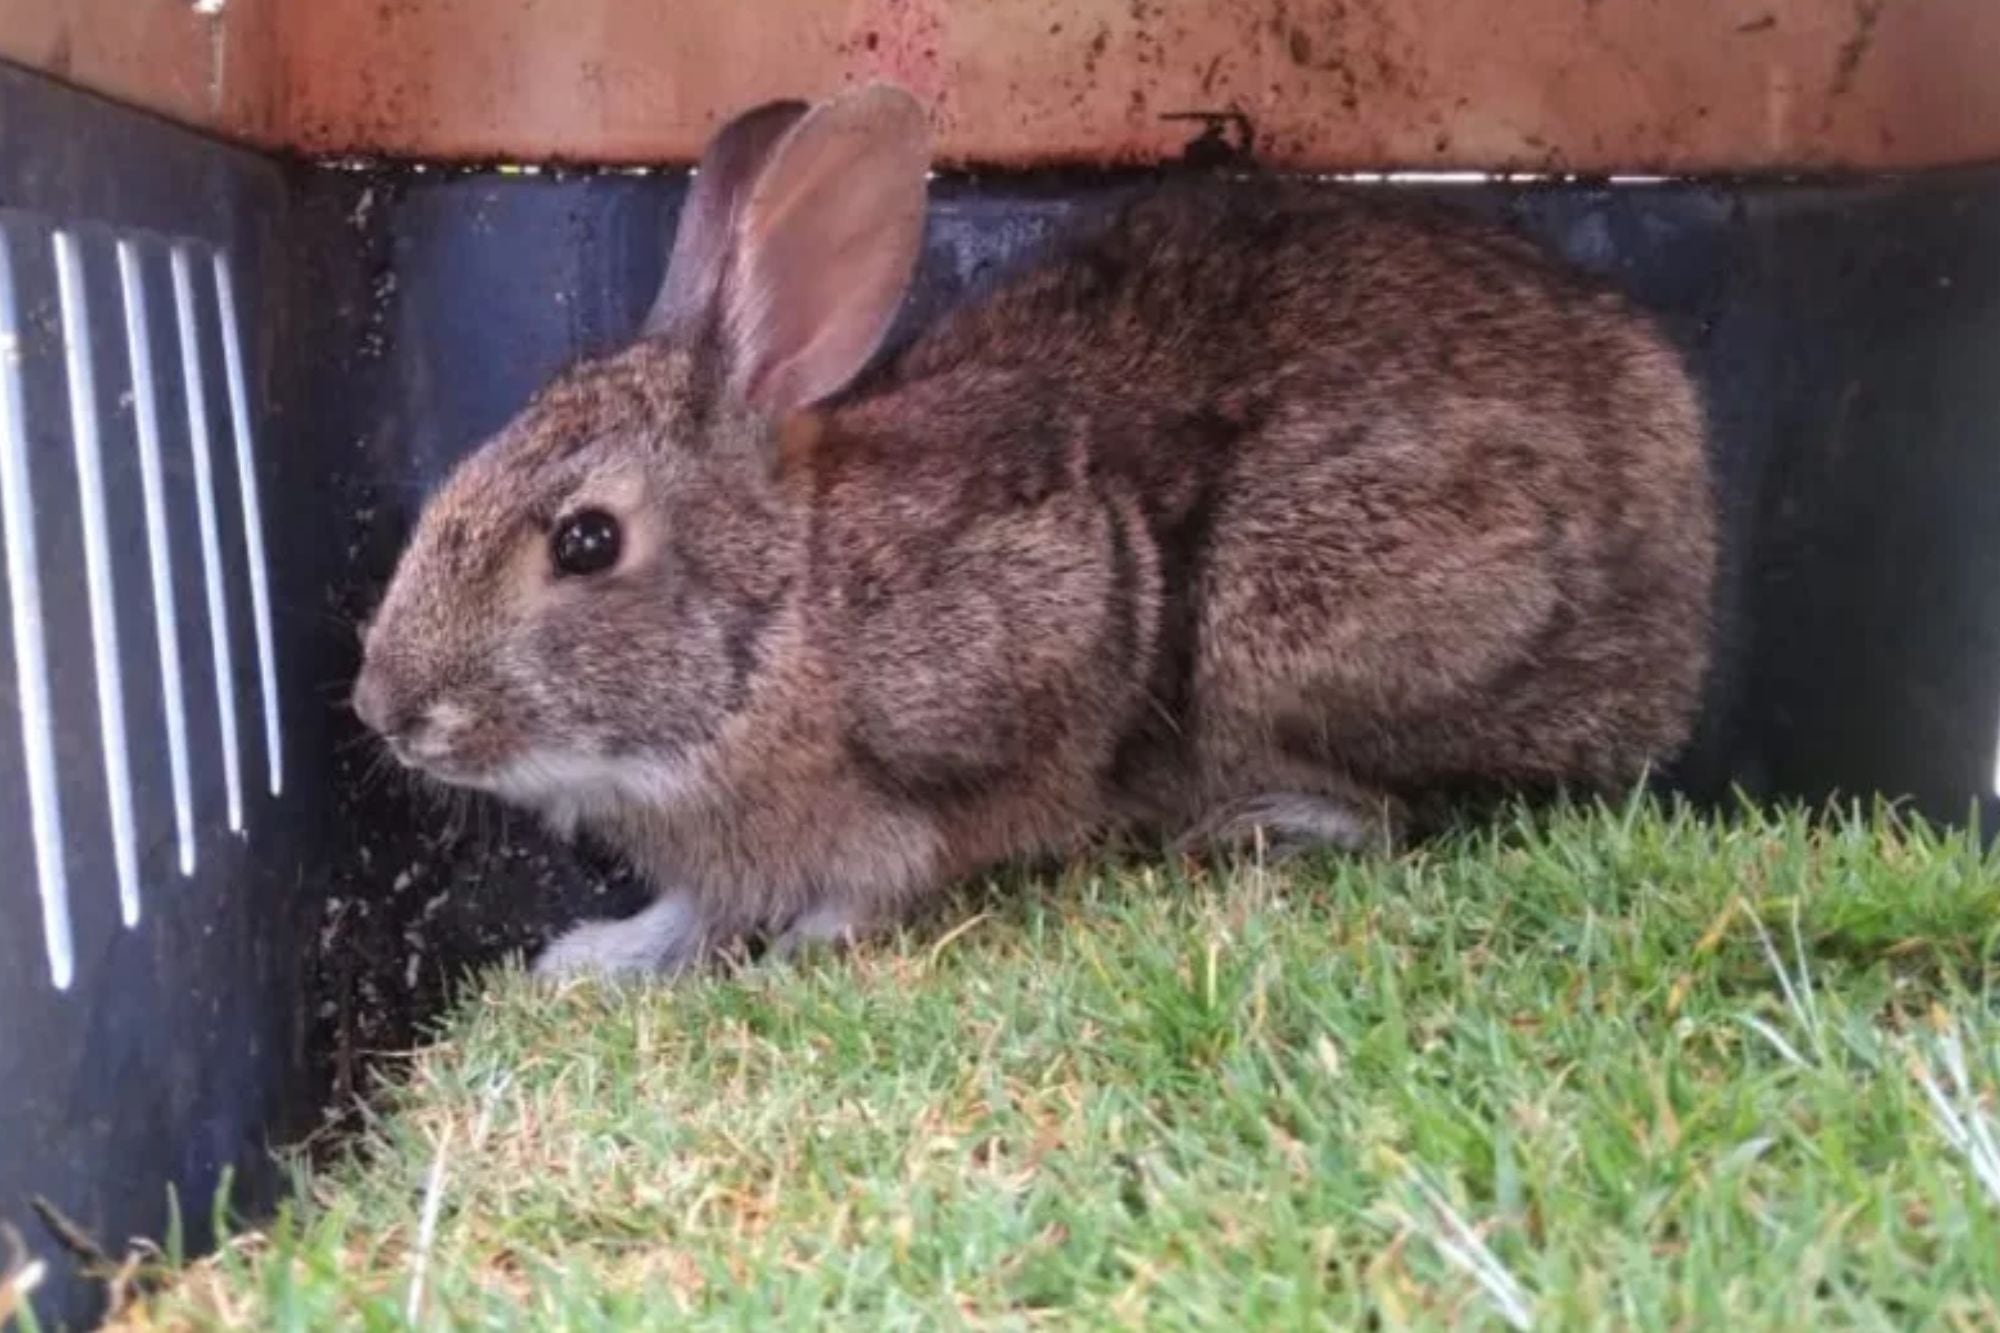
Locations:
(31, 668)
(211, 537)
(253, 519)
(88, 452)
(159, 550)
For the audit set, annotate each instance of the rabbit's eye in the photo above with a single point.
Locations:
(586, 542)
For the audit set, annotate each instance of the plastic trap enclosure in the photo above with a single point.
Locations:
(258, 292)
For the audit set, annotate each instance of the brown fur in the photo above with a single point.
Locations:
(1240, 508)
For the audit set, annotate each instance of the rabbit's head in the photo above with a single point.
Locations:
(591, 596)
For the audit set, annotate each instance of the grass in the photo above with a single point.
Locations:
(1621, 1068)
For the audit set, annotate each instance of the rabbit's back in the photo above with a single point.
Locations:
(1421, 507)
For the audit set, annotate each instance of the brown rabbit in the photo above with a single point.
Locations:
(1240, 510)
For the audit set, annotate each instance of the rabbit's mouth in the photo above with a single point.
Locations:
(441, 768)
(444, 744)
(460, 746)
(445, 766)
(442, 741)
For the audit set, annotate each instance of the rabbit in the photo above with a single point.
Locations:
(1239, 514)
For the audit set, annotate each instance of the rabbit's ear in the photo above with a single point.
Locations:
(703, 238)
(825, 246)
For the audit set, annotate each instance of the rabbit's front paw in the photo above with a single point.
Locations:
(660, 940)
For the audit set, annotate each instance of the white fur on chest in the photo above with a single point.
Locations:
(570, 789)
(671, 819)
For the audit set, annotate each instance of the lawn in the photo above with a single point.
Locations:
(1624, 1068)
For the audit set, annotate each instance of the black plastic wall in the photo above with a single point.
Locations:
(179, 1049)
(1848, 337)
